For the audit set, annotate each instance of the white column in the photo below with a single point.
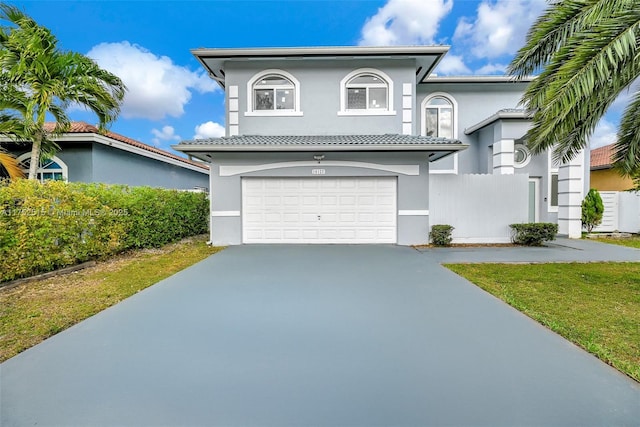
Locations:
(503, 157)
(570, 195)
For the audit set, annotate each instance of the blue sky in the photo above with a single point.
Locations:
(170, 98)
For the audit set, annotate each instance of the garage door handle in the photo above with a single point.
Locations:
(318, 217)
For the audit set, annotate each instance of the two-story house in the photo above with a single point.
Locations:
(365, 145)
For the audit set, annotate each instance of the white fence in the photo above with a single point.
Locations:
(621, 212)
(480, 207)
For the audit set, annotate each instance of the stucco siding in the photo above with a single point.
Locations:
(319, 98)
(114, 166)
(610, 180)
(411, 170)
(79, 160)
(475, 103)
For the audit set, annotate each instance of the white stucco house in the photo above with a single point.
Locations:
(366, 145)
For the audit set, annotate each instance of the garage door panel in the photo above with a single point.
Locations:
(292, 234)
(319, 210)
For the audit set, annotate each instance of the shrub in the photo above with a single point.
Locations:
(533, 234)
(592, 210)
(47, 226)
(440, 234)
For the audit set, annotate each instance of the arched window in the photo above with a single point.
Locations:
(439, 117)
(50, 169)
(273, 92)
(439, 113)
(366, 91)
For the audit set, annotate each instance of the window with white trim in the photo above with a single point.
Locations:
(50, 169)
(521, 155)
(553, 196)
(366, 91)
(273, 92)
(552, 187)
(439, 117)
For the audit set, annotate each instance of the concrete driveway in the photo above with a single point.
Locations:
(313, 336)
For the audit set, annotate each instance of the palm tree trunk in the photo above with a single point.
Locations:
(35, 156)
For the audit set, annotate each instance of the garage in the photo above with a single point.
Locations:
(319, 210)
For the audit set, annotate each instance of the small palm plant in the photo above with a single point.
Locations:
(37, 79)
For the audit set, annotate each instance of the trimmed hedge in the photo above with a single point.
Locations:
(441, 234)
(45, 226)
(534, 233)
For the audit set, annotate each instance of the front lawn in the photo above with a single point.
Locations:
(632, 242)
(32, 312)
(595, 305)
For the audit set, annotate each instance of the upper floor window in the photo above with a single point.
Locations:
(438, 120)
(274, 92)
(50, 169)
(366, 91)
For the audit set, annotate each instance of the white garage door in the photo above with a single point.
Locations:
(319, 210)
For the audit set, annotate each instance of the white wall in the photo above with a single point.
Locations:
(629, 213)
(480, 207)
(621, 212)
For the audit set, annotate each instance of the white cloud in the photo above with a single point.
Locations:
(167, 133)
(452, 64)
(156, 86)
(405, 22)
(492, 69)
(625, 97)
(209, 130)
(499, 28)
(604, 134)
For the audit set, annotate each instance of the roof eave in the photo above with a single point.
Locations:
(495, 118)
(479, 79)
(216, 148)
(341, 52)
(267, 53)
(106, 140)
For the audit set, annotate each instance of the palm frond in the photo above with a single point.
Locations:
(627, 149)
(587, 61)
(9, 166)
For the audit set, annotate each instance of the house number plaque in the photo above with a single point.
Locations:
(318, 171)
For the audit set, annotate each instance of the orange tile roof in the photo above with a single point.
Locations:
(83, 127)
(601, 157)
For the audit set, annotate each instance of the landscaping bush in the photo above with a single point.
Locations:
(55, 224)
(440, 234)
(533, 234)
(592, 210)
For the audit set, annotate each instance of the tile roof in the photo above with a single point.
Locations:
(83, 127)
(601, 157)
(316, 140)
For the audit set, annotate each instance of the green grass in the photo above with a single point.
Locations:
(632, 242)
(595, 305)
(32, 312)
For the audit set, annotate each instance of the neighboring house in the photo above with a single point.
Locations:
(603, 176)
(365, 145)
(86, 155)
